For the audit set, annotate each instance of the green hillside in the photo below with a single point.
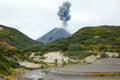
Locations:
(14, 37)
(102, 38)
(11, 43)
(86, 41)
(95, 39)
(9, 55)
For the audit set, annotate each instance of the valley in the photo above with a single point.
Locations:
(93, 50)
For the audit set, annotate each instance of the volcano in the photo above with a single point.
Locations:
(54, 34)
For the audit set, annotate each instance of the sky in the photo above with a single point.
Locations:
(37, 17)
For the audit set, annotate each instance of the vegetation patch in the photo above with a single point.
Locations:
(100, 74)
(78, 54)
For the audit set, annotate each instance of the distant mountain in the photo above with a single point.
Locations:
(54, 34)
(15, 37)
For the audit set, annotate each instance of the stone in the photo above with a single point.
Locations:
(90, 59)
(52, 56)
(112, 54)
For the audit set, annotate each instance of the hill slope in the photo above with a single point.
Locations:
(95, 39)
(14, 37)
(9, 55)
(54, 34)
(98, 38)
(11, 41)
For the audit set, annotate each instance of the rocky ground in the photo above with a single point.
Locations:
(106, 65)
(30, 65)
(84, 79)
(2, 79)
(24, 78)
(101, 65)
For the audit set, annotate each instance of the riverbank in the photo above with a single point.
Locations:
(107, 65)
(108, 68)
(16, 72)
(84, 79)
(102, 69)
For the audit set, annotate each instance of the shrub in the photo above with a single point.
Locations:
(103, 55)
(78, 54)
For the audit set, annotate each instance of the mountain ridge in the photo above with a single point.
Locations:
(54, 34)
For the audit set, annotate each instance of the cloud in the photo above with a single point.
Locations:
(37, 17)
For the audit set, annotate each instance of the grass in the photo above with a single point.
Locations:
(100, 74)
(6, 77)
(108, 79)
(15, 73)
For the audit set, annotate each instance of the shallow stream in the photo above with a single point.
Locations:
(42, 73)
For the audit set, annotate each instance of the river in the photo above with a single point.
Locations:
(40, 74)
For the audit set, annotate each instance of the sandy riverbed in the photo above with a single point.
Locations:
(102, 65)
(72, 72)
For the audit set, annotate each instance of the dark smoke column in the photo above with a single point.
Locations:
(63, 12)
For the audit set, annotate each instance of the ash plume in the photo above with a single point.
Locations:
(63, 12)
